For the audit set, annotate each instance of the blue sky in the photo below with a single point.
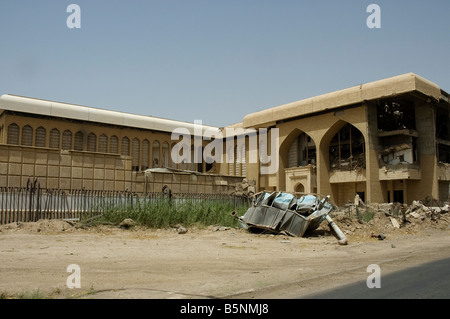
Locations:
(214, 60)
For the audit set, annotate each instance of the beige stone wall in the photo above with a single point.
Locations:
(185, 182)
(63, 169)
(87, 128)
(73, 170)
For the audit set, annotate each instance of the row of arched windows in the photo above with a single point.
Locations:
(138, 150)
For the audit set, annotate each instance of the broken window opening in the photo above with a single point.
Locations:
(399, 149)
(396, 115)
(443, 153)
(442, 123)
(347, 149)
(302, 152)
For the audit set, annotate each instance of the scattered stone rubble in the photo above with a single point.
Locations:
(380, 220)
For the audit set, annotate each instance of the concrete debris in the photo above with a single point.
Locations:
(127, 223)
(181, 229)
(394, 222)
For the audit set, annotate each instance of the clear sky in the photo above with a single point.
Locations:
(214, 60)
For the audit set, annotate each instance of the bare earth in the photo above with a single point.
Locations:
(210, 262)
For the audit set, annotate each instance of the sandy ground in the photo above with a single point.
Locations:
(207, 263)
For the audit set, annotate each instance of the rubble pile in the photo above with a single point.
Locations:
(378, 220)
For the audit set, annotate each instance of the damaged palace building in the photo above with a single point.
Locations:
(386, 141)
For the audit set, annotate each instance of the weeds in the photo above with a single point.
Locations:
(163, 213)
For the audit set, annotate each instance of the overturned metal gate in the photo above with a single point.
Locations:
(285, 212)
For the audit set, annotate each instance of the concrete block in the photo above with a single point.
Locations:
(119, 175)
(53, 171)
(28, 169)
(64, 172)
(15, 156)
(77, 172)
(77, 160)
(28, 157)
(88, 184)
(99, 174)
(119, 186)
(3, 169)
(109, 174)
(40, 170)
(15, 169)
(66, 160)
(98, 185)
(110, 163)
(109, 186)
(41, 158)
(52, 182)
(77, 184)
(14, 181)
(88, 161)
(53, 159)
(88, 173)
(99, 162)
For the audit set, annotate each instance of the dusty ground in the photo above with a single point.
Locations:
(211, 262)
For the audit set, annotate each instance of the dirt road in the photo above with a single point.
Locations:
(203, 263)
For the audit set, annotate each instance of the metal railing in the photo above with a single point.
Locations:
(33, 203)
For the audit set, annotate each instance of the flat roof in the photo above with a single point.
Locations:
(83, 113)
(389, 87)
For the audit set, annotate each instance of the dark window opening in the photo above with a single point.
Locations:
(347, 149)
(396, 115)
(302, 151)
(362, 196)
(444, 153)
(398, 197)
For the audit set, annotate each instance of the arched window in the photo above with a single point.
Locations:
(92, 142)
(347, 149)
(135, 154)
(78, 141)
(237, 166)
(145, 153)
(125, 148)
(302, 151)
(114, 145)
(156, 155)
(54, 138)
(27, 136)
(230, 160)
(40, 139)
(165, 154)
(243, 161)
(103, 143)
(13, 134)
(174, 161)
(67, 140)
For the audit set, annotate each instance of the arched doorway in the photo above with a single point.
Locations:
(298, 162)
(299, 188)
(342, 163)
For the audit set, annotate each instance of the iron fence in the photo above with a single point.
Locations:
(33, 203)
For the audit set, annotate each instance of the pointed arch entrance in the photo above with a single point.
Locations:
(342, 162)
(298, 163)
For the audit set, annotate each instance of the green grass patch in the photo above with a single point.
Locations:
(163, 213)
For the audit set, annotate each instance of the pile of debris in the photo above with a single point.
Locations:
(419, 211)
(379, 220)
